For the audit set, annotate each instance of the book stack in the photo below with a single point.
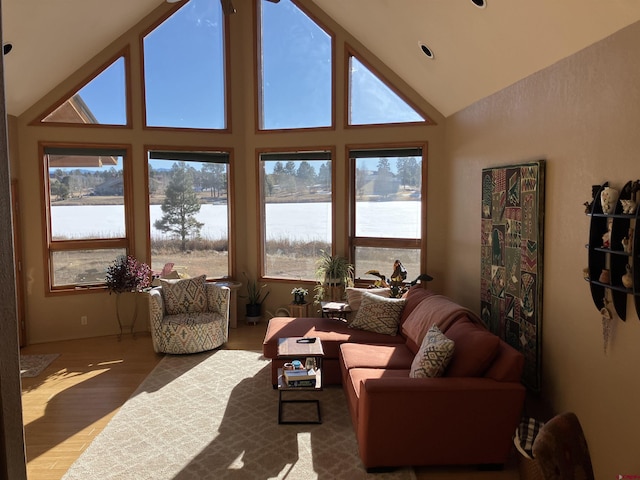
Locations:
(300, 378)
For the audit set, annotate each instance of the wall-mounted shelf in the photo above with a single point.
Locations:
(614, 257)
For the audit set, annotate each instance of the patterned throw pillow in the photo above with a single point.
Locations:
(184, 296)
(434, 355)
(378, 314)
(354, 295)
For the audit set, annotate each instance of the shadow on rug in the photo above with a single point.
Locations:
(215, 415)
(33, 365)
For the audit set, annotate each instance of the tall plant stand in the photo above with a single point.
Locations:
(134, 316)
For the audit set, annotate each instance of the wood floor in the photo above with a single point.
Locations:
(73, 399)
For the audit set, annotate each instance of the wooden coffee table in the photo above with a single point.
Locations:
(299, 348)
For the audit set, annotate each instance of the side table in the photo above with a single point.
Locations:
(335, 310)
(233, 300)
(299, 309)
(299, 348)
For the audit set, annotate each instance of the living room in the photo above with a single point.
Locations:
(578, 114)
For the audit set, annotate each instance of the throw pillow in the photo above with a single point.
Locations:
(378, 314)
(433, 356)
(354, 295)
(184, 296)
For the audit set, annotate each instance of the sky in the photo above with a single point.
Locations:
(183, 89)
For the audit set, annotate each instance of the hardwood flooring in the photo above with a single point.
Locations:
(73, 399)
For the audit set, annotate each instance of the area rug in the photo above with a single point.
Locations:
(215, 416)
(33, 365)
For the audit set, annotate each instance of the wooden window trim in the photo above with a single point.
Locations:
(50, 245)
(402, 243)
(260, 206)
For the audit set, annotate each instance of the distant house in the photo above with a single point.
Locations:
(111, 187)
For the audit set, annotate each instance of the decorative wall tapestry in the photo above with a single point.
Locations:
(511, 259)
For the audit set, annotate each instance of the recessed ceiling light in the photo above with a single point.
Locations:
(6, 48)
(426, 50)
(173, 1)
(479, 3)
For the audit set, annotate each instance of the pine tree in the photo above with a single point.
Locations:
(180, 205)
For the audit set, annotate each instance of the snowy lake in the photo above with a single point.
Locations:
(299, 221)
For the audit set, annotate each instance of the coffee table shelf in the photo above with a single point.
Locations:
(291, 348)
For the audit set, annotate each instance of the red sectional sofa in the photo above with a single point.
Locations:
(466, 417)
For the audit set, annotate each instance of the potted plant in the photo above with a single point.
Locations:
(126, 275)
(255, 296)
(333, 273)
(298, 295)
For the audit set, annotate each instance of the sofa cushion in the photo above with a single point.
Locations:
(476, 347)
(354, 295)
(433, 310)
(434, 355)
(394, 357)
(378, 314)
(414, 296)
(185, 295)
(331, 332)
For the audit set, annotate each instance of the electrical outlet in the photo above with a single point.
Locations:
(83, 320)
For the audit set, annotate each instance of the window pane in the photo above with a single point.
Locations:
(101, 101)
(189, 213)
(83, 188)
(184, 68)
(388, 197)
(296, 69)
(82, 267)
(297, 216)
(371, 101)
(381, 259)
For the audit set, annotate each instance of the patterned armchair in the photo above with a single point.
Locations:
(188, 315)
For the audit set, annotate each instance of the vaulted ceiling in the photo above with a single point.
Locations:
(477, 51)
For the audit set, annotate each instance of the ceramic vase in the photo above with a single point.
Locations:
(604, 276)
(608, 199)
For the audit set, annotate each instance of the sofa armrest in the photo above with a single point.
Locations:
(437, 421)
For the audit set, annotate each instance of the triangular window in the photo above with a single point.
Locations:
(372, 101)
(184, 69)
(295, 69)
(101, 100)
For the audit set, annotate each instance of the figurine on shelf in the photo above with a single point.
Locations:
(606, 238)
(627, 242)
(608, 199)
(604, 276)
(588, 206)
(628, 206)
(627, 278)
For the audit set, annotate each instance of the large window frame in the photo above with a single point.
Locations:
(326, 154)
(353, 153)
(55, 246)
(201, 155)
(226, 65)
(259, 77)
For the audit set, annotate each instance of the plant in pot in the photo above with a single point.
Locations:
(298, 295)
(333, 273)
(255, 296)
(127, 274)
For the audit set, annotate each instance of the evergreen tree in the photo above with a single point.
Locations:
(180, 205)
(306, 173)
(324, 175)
